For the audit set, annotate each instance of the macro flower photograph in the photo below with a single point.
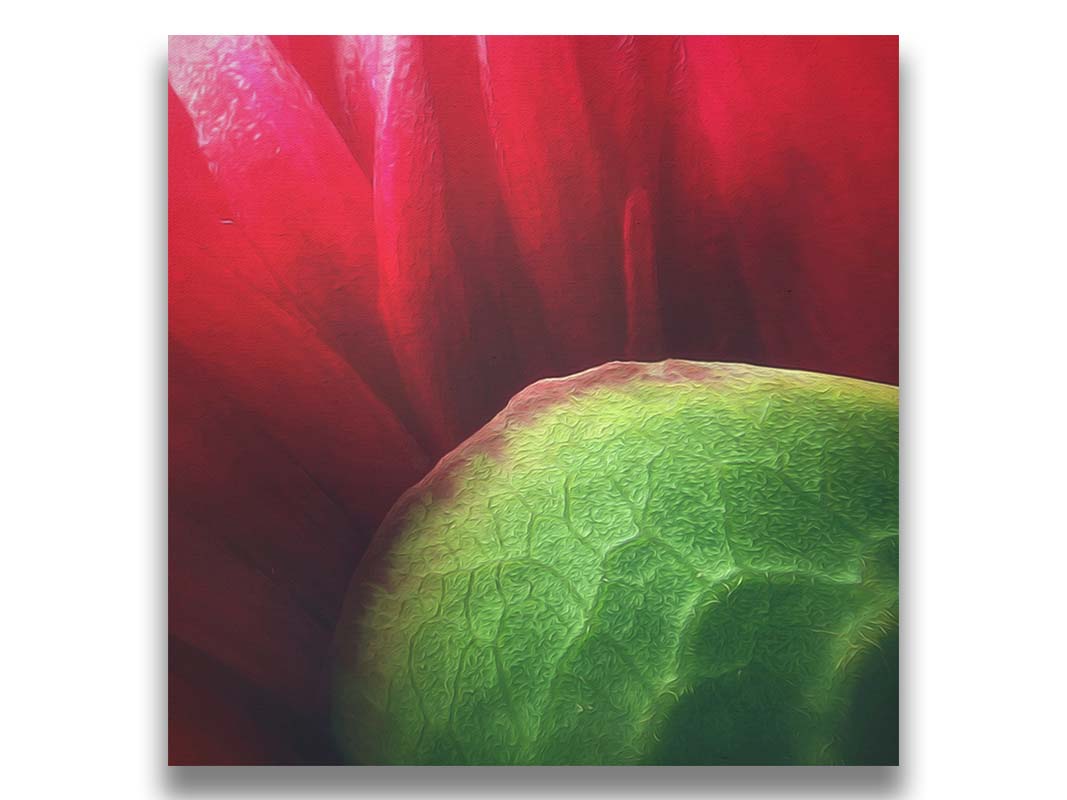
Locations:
(532, 400)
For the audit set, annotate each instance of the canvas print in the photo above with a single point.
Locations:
(533, 400)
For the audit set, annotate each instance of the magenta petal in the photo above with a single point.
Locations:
(289, 179)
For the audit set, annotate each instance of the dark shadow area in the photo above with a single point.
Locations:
(872, 734)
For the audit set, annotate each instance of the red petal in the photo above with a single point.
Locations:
(625, 80)
(315, 58)
(508, 329)
(788, 161)
(644, 337)
(291, 182)
(282, 460)
(216, 717)
(552, 181)
(423, 298)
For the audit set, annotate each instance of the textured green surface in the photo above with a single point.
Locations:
(667, 563)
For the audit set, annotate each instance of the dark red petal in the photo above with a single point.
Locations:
(217, 717)
(644, 336)
(508, 327)
(282, 460)
(625, 81)
(552, 179)
(786, 182)
(708, 308)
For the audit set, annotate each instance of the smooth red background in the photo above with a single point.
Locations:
(376, 241)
